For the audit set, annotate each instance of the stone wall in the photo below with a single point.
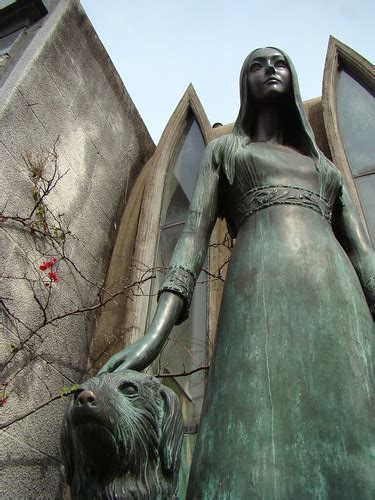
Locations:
(62, 96)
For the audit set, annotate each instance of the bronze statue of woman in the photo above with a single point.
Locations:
(287, 411)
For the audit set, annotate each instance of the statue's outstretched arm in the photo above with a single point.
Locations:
(353, 237)
(143, 352)
(187, 261)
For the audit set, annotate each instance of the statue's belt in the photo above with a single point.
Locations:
(266, 196)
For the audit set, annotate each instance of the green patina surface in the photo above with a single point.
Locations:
(287, 411)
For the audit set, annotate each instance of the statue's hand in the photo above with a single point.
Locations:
(128, 359)
(143, 352)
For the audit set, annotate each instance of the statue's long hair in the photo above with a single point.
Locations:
(297, 131)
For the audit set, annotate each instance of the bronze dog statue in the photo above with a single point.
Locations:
(122, 437)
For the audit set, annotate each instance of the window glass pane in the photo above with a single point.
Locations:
(5, 3)
(168, 238)
(186, 348)
(356, 119)
(7, 41)
(366, 190)
(178, 203)
(181, 178)
(17, 15)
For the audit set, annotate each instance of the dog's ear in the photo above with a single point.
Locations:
(172, 431)
(67, 446)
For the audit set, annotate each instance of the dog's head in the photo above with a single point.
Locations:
(122, 437)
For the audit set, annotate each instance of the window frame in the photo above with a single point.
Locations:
(150, 213)
(339, 56)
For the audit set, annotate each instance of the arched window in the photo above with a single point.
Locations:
(349, 116)
(166, 199)
(150, 227)
(186, 349)
(356, 120)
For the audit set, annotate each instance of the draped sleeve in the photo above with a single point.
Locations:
(191, 249)
(353, 237)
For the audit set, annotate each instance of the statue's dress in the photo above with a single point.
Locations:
(287, 411)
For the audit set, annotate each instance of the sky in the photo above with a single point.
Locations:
(160, 46)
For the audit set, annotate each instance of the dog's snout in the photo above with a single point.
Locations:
(87, 398)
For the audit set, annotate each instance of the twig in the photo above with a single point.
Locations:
(182, 374)
(30, 412)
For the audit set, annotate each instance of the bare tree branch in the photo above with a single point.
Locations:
(182, 374)
(34, 410)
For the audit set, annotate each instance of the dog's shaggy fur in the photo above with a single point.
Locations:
(123, 439)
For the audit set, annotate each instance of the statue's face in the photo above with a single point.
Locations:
(268, 75)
